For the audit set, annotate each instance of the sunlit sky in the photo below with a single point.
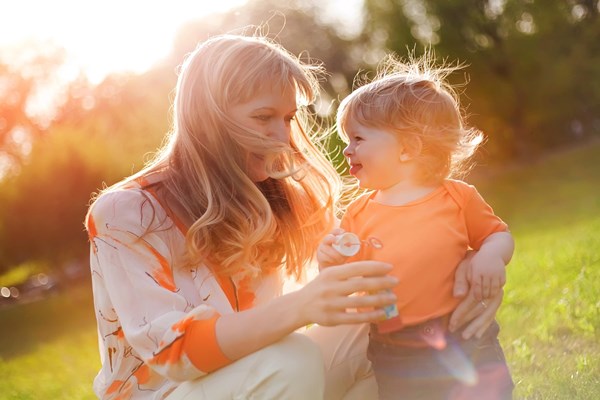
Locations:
(102, 36)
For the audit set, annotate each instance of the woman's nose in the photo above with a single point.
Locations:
(281, 132)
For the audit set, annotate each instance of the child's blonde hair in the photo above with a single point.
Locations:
(239, 225)
(412, 99)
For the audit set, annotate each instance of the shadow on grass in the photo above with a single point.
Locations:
(26, 326)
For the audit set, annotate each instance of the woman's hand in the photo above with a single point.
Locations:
(328, 299)
(477, 314)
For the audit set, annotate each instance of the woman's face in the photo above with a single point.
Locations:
(269, 112)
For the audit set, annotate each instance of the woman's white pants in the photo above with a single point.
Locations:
(327, 363)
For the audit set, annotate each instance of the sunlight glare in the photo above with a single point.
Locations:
(105, 36)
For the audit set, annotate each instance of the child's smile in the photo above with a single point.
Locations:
(354, 168)
(374, 156)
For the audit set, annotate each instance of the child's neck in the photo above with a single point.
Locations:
(403, 192)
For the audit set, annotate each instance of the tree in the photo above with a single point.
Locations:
(44, 205)
(25, 74)
(529, 63)
(97, 135)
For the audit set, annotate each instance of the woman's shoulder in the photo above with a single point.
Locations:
(118, 200)
(128, 206)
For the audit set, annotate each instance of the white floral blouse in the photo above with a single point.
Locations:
(156, 318)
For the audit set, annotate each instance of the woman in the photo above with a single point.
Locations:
(189, 255)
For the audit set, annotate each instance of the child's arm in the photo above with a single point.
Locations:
(488, 275)
(327, 256)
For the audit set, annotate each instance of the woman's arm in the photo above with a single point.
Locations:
(326, 300)
(143, 316)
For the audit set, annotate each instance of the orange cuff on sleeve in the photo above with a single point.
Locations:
(201, 346)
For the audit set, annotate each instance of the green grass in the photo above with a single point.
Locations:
(48, 349)
(20, 273)
(550, 317)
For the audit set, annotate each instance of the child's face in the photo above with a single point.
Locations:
(374, 156)
(270, 112)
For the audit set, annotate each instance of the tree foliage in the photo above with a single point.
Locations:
(532, 71)
(98, 135)
(25, 74)
(532, 65)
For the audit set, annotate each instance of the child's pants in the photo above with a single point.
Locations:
(473, 369)
(321, 363)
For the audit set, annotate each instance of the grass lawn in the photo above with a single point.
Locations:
(48, 349)
(550, 317)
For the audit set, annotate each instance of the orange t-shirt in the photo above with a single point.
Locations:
(424, 240)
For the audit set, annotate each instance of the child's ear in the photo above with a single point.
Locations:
(411, 148)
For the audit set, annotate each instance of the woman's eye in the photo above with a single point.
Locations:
(263, 118)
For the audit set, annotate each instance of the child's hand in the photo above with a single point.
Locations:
(487, 275)
(327, 256)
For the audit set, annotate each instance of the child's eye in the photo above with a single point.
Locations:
(290, 119)
(263, 118)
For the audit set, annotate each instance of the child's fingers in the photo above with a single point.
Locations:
(329, 239)
(477, 290)
(495, 287)
(332, 236)
(486, 287)
(337, 231)
(332, 255)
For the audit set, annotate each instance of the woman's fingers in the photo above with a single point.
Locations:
(465, 312)
(364, 301)
(479, 325)
(358, 269)
(359, 309)
(329, 299)
(366, 284)
(478, 315)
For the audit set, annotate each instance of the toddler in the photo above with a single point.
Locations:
(406, 136)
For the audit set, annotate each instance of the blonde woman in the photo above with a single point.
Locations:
(188, 256)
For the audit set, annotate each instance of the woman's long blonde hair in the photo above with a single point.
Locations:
(239, 225)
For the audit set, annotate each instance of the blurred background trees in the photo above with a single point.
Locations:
(533, 66)
(533, 72)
